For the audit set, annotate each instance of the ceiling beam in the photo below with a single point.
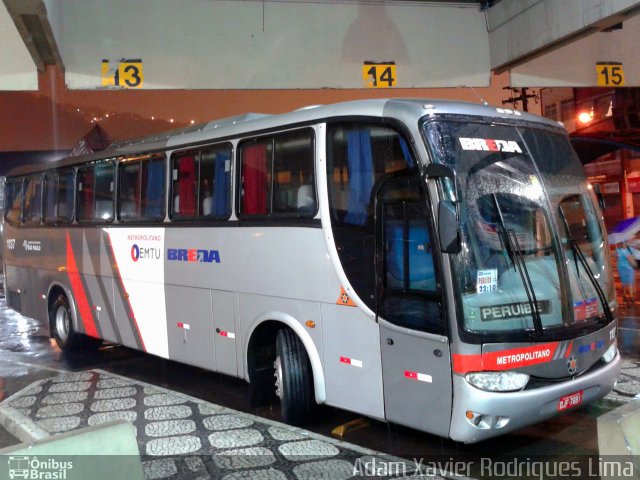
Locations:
(32, 22)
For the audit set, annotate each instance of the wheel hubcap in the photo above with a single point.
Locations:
(62, 323)
(277, 365)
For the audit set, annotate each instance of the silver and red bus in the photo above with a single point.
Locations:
(436, 264)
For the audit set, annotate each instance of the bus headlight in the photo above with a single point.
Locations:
(498, 381)
(610, 354)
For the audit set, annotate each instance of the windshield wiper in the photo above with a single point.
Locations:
(577, 252)
(513, 249)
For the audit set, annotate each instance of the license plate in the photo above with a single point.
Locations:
(570, 401)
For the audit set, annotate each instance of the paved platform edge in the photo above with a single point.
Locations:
(256, 418)
(27, 431)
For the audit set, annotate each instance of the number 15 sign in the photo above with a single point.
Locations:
(610, 74)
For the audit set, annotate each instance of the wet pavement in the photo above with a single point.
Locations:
(181, 436)
(28, 359)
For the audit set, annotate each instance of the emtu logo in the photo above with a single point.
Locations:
(144, 253)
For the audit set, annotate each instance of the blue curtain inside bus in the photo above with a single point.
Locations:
(405, 152)
(360, 163)
(221, 186)
(155, 189)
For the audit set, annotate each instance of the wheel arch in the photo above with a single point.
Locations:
(54, 290)
(270, 322)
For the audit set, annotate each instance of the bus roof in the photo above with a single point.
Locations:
(256, 122)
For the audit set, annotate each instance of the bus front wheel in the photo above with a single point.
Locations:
(294, 379)
(62, 324)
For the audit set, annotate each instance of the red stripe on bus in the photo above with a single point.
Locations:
(566, 355)
(505, 359)
(84, 309)
(467, 363)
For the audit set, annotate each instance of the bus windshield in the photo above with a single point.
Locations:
(532, 242)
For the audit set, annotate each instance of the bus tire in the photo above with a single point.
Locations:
(294, 378)
(62, 325)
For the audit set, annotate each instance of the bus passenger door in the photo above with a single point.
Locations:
(415, 353)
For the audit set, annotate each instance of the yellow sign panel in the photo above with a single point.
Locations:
(108, 80)
(127, 74)
(379, 75)
(610, 74)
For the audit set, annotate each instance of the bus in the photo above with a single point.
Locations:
(434, 264)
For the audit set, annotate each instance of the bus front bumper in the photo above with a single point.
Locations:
(496, 413)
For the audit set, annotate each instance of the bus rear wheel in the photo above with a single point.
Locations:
(294, 379)
(62, 324)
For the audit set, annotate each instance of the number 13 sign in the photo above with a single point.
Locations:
(127, 74)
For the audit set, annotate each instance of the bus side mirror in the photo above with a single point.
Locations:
(448, 227)
(447, 209)
(438, 170)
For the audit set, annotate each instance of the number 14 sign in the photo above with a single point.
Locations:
(379, 75)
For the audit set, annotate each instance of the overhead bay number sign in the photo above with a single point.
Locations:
(379, 75)
(125, 74)
(610, 74)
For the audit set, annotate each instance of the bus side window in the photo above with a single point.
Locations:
(85, 193)
(360, 156)
(141, 188)
(294, 190)
(33, 201)
(50, 197)
(185, 191)
(215, 181)
(104, 192)
(58, 197)
(202, 183)
(256, 182)
(66, 191)
(277, 175)
(95, 192)
(13, 200)
(152, 188)
(129, 190)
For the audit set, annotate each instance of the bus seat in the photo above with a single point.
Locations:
(207, 205)
(306, 202)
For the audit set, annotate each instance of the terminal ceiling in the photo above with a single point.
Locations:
(287, 44)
